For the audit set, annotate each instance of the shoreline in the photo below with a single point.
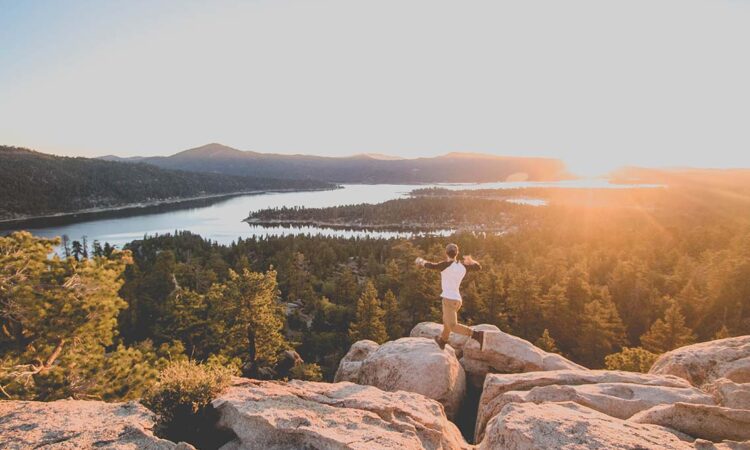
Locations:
(413, 227)
(8, 223)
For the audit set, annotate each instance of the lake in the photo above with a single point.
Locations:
(221, 219)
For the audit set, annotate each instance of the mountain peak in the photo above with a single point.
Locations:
(213, 150)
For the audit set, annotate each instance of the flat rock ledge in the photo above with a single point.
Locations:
(619, 394)
(567, 425)
(79, 424)
(713, 423)
(298, 414)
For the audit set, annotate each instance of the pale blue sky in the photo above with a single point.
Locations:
(596, 83)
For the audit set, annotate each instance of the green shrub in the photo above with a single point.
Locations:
(306, 372)
(182, 397)
(635, 359)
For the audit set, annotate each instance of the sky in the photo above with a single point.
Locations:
(599, 84)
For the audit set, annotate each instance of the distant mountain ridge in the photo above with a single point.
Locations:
(35, 184)
(363, 168)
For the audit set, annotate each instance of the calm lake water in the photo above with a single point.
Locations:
(221, 219)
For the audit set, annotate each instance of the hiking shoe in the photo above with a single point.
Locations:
(440, 342)
(478, 336)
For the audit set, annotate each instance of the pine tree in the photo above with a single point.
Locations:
(58, 317)
(634, 294)
(392, 315)
(66, 245)
(368, 323)
(345, 287)
(299, 280)
(419, 296)
(245, 318)
(391, 278)
(97, 249)
(494, 287)
(668, 333)
(577, 290)
(546, 343)
(474, 306)
(557, 316)
(77, 250)
(185, 319)
(601, 332)
(524, 303)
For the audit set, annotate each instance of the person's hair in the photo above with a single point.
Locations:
(451, 250)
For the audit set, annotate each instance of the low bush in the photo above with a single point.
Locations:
(181, 400)
(634, 359)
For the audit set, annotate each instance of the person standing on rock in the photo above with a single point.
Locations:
(452, 272)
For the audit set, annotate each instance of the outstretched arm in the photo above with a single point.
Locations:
(470, 264)
(431, 265)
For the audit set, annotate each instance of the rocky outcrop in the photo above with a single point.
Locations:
(406, 391)
(431, 330)
(714, 423)
(530, 426)
(350, 364)
(708, 361)
(605, 390)
(502, 353)
(414, 365)
(298, 414)
(729, 394)
(78, 424)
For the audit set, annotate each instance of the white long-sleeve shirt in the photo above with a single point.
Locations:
(451, 275)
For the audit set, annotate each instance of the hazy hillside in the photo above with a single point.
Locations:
(33, 183)
(714, 179)
(365, 168)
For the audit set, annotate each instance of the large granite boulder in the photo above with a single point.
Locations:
(705, 362)
(299, 414)
(714, 423)
(350, 364)
(729, 394)
(616, 387)
(414, 365)
(79, 424)
(407, 364)
(531, 426)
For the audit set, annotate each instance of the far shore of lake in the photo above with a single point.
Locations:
(14, 222)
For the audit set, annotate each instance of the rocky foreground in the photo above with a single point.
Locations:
(404, 394)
